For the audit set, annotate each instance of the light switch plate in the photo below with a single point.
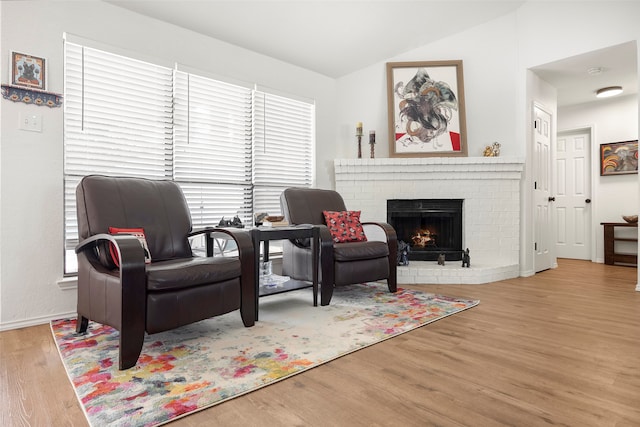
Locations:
(31, 122)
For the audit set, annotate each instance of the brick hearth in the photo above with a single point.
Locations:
(489, 186)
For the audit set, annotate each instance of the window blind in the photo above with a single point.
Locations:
(230, 148)
(117, 121)
(282, 148)
(212, 147)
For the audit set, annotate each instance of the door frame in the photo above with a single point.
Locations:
(594, 166)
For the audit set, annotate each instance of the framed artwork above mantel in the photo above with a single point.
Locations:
(426, 109)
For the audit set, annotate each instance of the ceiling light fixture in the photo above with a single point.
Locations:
(606, 92)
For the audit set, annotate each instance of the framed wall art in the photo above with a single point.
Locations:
(618, 158)
(28, 71)
(426, 109)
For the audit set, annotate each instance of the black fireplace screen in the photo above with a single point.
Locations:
(430, 226)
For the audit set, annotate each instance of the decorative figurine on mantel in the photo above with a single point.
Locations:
(466, 260)
(372, 142)
(359, 136)
(441, 259)
(492, 150)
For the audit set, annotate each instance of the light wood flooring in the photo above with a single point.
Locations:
(561, 348)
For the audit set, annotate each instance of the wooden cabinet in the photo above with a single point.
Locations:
(610, 239)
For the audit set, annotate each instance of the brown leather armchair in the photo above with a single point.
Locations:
(341, 263)
(176, 288)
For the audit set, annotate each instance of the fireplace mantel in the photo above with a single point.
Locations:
(489, 186)
(436, 167)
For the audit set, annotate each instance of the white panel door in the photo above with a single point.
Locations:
(573, 193)
(543, 240)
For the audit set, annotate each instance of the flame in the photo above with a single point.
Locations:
(423, 238)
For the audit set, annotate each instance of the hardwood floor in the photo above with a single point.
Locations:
(561, 348)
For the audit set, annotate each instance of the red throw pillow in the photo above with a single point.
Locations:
(139, 233)
(345, 226)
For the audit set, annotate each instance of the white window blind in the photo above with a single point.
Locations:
(212, 147)
(282, 148)
(117, 121)
(230, 148)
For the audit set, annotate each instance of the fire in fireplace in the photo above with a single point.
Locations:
(430, 226)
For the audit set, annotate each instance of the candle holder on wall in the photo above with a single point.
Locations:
(359, 136)
(372, 143)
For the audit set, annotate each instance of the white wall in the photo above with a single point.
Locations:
(499, 90)
(496, 56)
(1, 237)
(31, 163)
(612, 120)
(551, 31)
(489, 84)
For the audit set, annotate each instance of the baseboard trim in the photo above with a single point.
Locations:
(35, 321)
(527, 273)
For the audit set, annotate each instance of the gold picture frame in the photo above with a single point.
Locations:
(426, 109)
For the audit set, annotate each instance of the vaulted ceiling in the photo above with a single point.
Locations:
(335, 38)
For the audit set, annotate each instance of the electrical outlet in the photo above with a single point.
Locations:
(31, 122)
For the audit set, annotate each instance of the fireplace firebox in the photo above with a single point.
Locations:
(430, 226)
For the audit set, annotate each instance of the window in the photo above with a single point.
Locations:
(282, 154)
(212, 148)
(231, 148)
(117, 121)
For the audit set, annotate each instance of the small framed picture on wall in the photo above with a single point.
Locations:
(28, 71)
(618, 158)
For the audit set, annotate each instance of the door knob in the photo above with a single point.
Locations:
(552, 199)
(588, 201)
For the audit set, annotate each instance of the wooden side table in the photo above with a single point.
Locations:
(610, 255)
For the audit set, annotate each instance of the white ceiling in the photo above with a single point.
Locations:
(576, 85)
(335, 38)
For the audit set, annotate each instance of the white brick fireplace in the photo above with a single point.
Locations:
(489, 186)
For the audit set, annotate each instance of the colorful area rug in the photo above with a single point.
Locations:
(201, 365)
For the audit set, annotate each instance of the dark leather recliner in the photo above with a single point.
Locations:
(176, 288)
(341, 263)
